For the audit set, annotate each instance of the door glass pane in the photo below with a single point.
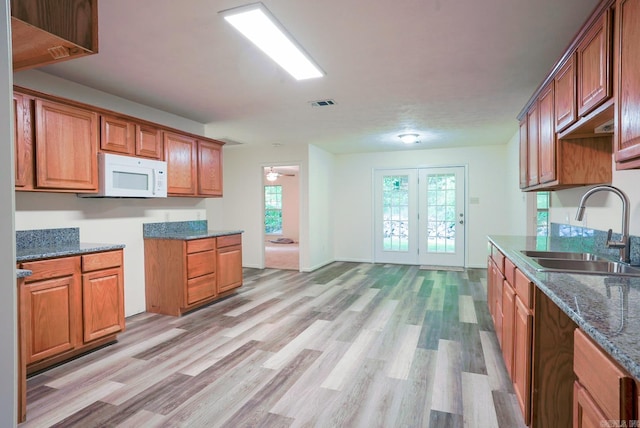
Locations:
(395, 212)
(441, 213)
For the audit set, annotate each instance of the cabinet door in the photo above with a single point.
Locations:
(229, 268)
(594, 66)
(66, 147)
(523, 336)
(565, 95)
(627, 134)
(22, 142)
(148, 142)
(547, 136)
(209, 168)
(116, 135)
(532, 145)
(508, 320)
(50, 317)
(524, 176)
(102, 303)
(180, 153)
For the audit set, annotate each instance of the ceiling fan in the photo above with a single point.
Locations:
(272, 175)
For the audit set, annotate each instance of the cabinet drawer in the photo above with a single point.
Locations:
(197, 245)
(201, 263)
(609, 385)
(498, 258)
(54, 268)
(201, 288)
(524, 289)
(509, 272)
(97, 261)
(229, 240)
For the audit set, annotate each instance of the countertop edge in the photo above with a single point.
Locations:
(188, 236)
(48, 253)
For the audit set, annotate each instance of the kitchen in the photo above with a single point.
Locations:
(338, 188)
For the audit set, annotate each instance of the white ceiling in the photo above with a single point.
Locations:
(455, 71)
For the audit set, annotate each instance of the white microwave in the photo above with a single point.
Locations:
(129, 177)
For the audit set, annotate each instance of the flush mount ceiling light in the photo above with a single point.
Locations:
(408, 138)
(258, 25)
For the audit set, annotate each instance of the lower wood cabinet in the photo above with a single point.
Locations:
(51, 303)
(536, 339)
(603, 391)
(182, 275)
(229, 262)
(102, 295)
(70, 305)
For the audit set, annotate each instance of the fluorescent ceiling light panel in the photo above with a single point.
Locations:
(257, 24)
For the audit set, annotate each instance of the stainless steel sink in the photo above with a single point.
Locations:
(558, 261)
(560, 255)
(587, 266)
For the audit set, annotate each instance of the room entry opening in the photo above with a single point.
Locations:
(420, 216)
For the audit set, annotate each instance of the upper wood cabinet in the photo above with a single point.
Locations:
(194, 166)
(533, 144)
(627, 114)
(66, 147)
(148, 142)
(57, 142)
(22, 142)
(181, 154)
(123, 136)
(594, 65)
(564, 148)
(116, 135)
(44, 31)
(209, 168)
(524, 148)
(565, 94)
(546, 136)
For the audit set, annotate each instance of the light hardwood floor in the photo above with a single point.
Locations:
(349, 345)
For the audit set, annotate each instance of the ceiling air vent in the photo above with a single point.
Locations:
(322, 103)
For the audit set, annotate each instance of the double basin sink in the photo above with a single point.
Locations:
(557, 261)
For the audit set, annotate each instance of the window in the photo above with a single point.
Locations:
(542, 213)
(273, 210)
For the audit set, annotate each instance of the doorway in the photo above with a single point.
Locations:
(419, 216)
(281, 223)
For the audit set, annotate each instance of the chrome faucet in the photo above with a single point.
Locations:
(623, 244)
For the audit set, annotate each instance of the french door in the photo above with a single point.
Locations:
(419, 216)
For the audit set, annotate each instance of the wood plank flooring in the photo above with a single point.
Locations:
(349, 345)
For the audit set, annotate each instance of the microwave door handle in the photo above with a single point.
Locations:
(153, 182)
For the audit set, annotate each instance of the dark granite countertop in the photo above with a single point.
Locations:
(49, 243)
(183, 230)
(192, 235)
(605, 306)
(23, 273)
(37, 253)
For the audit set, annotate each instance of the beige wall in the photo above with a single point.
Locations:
(603, 209)
(488, 199)
(241, 207)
